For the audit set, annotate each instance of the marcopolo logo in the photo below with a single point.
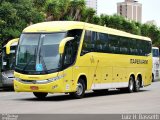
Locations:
(138, 61)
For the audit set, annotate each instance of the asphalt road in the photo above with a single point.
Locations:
(145, 101)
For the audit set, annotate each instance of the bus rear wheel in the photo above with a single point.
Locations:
(80, 89)
(137, 85)
(152, 78)
(131, 85)
(40, 95)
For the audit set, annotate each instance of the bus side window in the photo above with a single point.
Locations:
(114, 44)
(102, 44)
(88, 45)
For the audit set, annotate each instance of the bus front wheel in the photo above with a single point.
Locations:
(40, 95)
(80, 89)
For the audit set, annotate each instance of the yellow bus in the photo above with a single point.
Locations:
(72, 57)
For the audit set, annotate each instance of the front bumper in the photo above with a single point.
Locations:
(7, 82)
(52, 87)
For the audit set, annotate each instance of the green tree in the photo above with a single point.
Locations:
(15, 15)
(88, 14)
(39, 4)
(154, 34)
(8, 19)
(144, 30)
(76, 7)
(63, 8)
(52, 10)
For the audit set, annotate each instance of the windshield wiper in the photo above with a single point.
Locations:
(43, 63)
(29, 60)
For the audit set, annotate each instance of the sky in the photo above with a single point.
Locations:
(150, 9)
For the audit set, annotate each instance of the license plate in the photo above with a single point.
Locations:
(34, 87)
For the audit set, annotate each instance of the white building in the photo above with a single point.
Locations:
(92, 4)
(130, 9)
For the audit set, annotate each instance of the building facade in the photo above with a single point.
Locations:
(130, 9)
(92, 4)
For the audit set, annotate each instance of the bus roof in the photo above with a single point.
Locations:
(61, 26)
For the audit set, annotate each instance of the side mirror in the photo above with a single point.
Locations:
(8, 45)
(63, 43)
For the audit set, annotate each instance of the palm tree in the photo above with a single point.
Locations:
(76, 7)
(63, 8)
(80, 5)
(87, 14)
(52, 10)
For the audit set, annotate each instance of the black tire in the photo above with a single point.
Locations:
(81, 87)
(40, 95)
(152, 78)
(137, 85)
(131, 85)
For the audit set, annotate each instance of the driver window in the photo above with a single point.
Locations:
(71, 48)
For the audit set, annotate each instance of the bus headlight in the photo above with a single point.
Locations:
(56, 78)
(39, 81)
(48, 80)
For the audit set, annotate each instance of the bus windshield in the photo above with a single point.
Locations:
(155, 52)
(38, 53)
(8, 60)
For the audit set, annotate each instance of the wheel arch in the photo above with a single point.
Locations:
(132, 75)
(84, 77)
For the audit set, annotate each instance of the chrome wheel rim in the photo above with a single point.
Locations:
(138, 85)
(131, 85)
(79, 89)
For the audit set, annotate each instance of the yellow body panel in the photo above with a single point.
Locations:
(99, 68)
(58, 86)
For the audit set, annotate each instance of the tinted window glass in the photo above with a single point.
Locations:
(101, 42)
(71, 47)
(89, 42)
(155, 52)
